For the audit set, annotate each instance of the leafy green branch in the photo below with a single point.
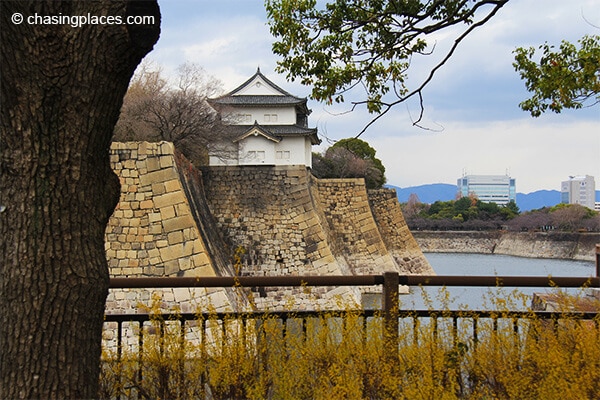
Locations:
(567, 77)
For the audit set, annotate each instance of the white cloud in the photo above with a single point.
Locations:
(474, 97)
(539, 155)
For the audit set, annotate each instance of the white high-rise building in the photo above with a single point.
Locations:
(579, 189)
(499, 189)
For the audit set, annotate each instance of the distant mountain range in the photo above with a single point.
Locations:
(427, 193)
(444, 192)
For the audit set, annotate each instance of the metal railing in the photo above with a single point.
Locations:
(388, 319)
(390, 282)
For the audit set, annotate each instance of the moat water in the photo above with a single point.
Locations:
(490, 265)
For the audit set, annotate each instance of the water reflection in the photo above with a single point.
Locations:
(489, 265)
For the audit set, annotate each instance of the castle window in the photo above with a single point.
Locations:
(270, 117)
(244, 118)
(256, 155)
(282, 155)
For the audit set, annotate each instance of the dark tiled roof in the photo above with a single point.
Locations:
(263, 100)
(285, 99)
(278, 131)
(267, 80)
(246, 131)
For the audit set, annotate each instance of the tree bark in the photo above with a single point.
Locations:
(62, 89)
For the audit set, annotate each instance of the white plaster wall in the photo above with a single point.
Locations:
(247, 115)
(307, 152)
(256, 144)
(258, 87)
(297, 149)
(299, 152)
(230, 149)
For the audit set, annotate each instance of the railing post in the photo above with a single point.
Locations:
(391, 281)
(597, 260)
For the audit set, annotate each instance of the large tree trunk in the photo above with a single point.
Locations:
(62, 88)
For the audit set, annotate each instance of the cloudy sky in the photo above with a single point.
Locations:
(471, 107)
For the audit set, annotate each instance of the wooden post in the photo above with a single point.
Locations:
(597, 260)
(391, 281)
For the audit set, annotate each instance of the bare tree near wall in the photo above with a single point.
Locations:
(156, 109)
(62, 88)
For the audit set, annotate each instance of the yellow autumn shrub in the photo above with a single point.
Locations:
(346, 357)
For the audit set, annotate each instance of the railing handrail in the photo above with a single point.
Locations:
(390, 281)
(353, 280)
(500, 314)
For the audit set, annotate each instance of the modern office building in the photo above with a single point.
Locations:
(499, 189)
(579, 189)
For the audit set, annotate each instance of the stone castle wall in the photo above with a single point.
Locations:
(174, 220)
(566, 245)
(153, 232)
(289, 222)
(395, 233)
(345, 204)
(268, 212)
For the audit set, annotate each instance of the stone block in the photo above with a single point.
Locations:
(167, 212)
(175, 237)
(133, 262)
(166, 161)
(185, 263)
(155, 229)
(162, 175)
(155, 260)
(182, 209)
(154, 270)
(169, 199)
(171, 267)
(188, 248)
(146, 204)
(166, 148)
(152, 164)
(129, 164)
(158, 188)
(182, 295)
(178, 223)
(143, 148)
(173, 252)
(199, 271)
(168, 295)
(219, 301)
(172, 185)
(118, 294)
(189, 234)
(148, 240)
(201, 260)
(154, 217)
